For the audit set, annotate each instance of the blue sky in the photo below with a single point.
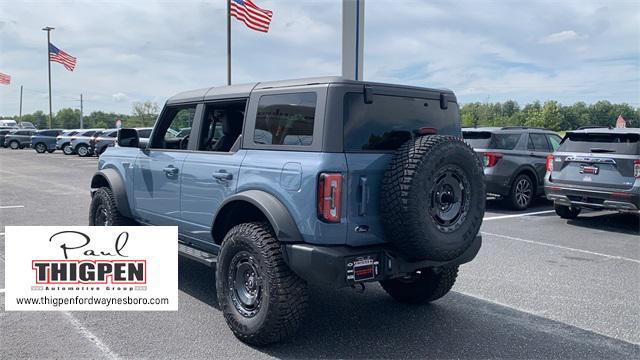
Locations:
(483, 50)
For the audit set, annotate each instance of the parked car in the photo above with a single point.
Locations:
(514, 160)
(63, 141)
(328, 181)
(45, 140)
(597, 168)
(80, 141)
(18, 139)
(26, 125)
(101, 141)
(3, 133)
(12, 124)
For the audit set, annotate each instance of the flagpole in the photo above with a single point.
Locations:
(228, 42)
(20, 116)
(48, 30)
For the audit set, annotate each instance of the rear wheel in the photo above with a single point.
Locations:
(40, 148)
(567, 212)
(262, 300)
(14, 145)
(103, 210)
(422, 286)
(521, 194)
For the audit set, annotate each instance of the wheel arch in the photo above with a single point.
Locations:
(529, 171)
(111, 179)
(255, 205)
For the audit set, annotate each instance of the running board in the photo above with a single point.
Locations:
(198, 255)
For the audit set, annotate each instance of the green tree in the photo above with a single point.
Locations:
(67, 119)
(144, 114)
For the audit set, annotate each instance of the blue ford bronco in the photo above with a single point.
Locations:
(279, 184)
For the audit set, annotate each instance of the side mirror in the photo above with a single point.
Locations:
(128, 138)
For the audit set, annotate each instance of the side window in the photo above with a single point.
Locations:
(221, 126)
(144, 133)
(174, 128)
(554, 140)
(285, 119)
(539, 142)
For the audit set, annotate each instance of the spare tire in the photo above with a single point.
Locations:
(433, 198)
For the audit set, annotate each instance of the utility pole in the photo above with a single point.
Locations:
(352, 38)
(81, 117)
(20, 116)
(48, 30)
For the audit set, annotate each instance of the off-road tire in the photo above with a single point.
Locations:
(82, 150)
(567, 212)
(104, 200)
(14, 145)
(419, 288)
(410, 192)
(283, 295)
(67, 149)
(40, 148)
(521, 193)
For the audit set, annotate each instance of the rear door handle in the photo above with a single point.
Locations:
(170, 171)
(222, 175)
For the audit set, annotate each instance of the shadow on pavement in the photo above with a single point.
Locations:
(624, 223)
(343, 324)
(498, 207)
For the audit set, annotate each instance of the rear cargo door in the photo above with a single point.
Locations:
(603, 160)
(373, 130)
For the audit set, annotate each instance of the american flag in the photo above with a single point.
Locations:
(251, 15)
(5, 79)
(61, 57)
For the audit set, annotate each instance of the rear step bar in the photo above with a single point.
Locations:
(198, 255)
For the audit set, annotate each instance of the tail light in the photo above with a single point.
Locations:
(427, 131)
(636, 169)
(549, 164)
(490, 159)
(329, 196)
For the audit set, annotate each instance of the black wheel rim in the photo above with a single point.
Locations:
(101, 216)
(450, 198)
(40, 148)
(523, 192)
(245, 284)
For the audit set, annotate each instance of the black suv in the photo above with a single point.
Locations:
(596, 168)
(514, 160)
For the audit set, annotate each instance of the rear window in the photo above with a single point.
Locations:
(504, 141)
(477, 139)
(389, 121)
(285, 119)
(626, 144)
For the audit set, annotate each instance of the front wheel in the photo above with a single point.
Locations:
(567, 212)
(40, 148)
(82, 150)
(262, 300)
(14, 145)
(103, 210)
(422, 286)
(67, 149)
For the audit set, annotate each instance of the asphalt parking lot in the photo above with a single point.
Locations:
(541, 287)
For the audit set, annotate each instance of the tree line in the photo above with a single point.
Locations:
(143, 114)
(550, 114)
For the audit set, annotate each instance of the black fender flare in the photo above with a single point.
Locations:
(273, 209)
(116, 184)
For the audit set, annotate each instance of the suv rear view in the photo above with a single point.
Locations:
(514, 160)
(595, 169)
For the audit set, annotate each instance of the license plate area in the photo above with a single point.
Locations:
(589, 169)
(362, 268)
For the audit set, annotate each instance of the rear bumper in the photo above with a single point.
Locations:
(336, 266)
(594, 199)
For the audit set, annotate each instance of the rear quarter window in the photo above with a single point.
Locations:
(285, 119)
(627, 144)
(504, 141)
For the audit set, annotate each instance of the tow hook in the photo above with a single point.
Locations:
(358, 288)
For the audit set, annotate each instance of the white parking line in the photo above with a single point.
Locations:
(517, 215)
(11, 206)
(561, 247)
(87, 334)
(1, 291)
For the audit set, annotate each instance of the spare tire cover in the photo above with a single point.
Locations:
(433, 198)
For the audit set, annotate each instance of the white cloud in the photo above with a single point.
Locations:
(120, 97)
(560, 37)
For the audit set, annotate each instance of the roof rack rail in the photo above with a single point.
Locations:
(522, 128)
(595, 127)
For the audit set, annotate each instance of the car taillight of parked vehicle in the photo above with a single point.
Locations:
(329, 196)
(490, 159)
(636, 169)
(549, 163)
